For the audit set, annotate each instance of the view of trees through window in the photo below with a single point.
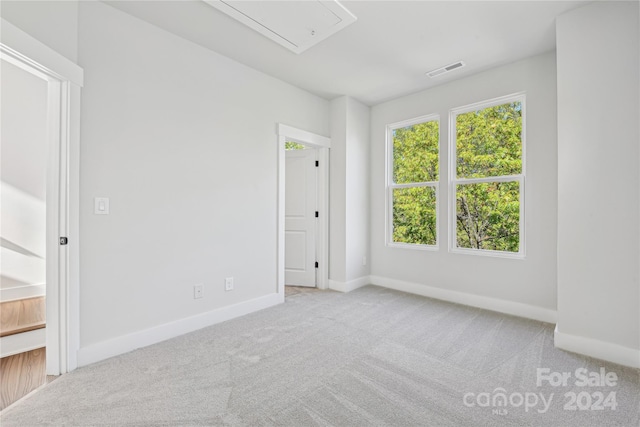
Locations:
(489, 178)
(487, 181)
(415, 176)
(290, 145)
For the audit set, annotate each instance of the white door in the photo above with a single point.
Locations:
(301, 185)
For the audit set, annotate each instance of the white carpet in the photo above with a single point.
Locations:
(372, 357)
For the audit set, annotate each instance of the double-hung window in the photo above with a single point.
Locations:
(412, 182)
(487, 177)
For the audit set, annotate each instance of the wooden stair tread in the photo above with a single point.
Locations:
(23, 328)
(22, 315)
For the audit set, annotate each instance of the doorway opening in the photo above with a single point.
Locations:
(23, 237)
(40, 226)
(303, 214)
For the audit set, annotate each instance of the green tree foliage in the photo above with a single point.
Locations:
(415, 160)
(414, 215)
(488, 216)
(289, 145)
(489, 144)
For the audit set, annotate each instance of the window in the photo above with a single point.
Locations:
(487, 177)
(412, 182)
(290, 145)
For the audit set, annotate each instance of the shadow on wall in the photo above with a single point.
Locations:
(22, 238)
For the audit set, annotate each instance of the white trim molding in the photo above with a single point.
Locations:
(22, 292)
(350, 285)
(36, 54)
(487, 303)
(126, 343)
(598, 349)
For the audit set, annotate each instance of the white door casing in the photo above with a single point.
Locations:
(301, 185)
(323, 145)
(64, 80)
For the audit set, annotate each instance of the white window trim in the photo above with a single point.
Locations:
(391, 185)
(453, 180)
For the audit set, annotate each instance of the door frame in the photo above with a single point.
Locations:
(64, 81)
(323, 144)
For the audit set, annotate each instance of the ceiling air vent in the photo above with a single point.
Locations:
(296, 25)
(445, 69)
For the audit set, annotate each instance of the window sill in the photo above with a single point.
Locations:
(431, 248)
(488, 253)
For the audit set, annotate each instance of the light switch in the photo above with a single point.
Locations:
(101, 206)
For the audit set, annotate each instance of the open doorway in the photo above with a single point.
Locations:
(40, 193)
(23, 238)
(303, 214)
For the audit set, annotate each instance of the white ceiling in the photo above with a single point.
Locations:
(385, 53)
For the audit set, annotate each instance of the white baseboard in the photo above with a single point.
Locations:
(21, 292)
(487, 303)
(350, 285)
(598, 349)
(25, 341)
(126, 343)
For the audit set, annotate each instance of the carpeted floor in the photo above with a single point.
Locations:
(372, 357)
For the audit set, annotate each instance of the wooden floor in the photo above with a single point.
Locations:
(22, 315)
(21, 374)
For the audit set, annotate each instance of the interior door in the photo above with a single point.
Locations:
(301, 185)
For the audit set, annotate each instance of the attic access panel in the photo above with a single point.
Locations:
(296, 25)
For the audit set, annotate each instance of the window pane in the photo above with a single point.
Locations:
(489, 141)
(488, 216)
(414, 215)
(289, 145)
(415, 153)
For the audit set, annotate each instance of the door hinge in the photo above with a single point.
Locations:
(63, 241)
(316, 264)
(317, 214)
(317, 163)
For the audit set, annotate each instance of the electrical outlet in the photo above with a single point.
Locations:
(198, 291)
(228, 284)
(364, 260)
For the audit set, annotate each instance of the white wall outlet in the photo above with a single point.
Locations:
(364, 260)
(198, 291)
(228, 284)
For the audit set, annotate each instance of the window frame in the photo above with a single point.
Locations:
(391, 185)
(454, 181)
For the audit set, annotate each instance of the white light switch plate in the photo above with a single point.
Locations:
(101, 206)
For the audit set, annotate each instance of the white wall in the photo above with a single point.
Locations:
(338, 191)
(522, 287)
(23, 178)
(183, 142)
(54, 23)
(598, 181)
(349, 194)
(357, 197)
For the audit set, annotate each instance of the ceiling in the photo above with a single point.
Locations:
(385, 53)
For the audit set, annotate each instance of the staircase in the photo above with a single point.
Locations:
(22, 325)
(22, 341)
(22, 315)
